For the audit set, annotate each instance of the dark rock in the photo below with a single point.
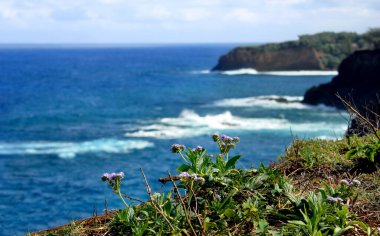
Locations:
(358, 82)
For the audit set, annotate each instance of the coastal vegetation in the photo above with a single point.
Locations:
(321, 51)
(317, 187)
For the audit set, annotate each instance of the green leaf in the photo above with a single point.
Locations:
(351, 153)
(231, 162)
(183, 168)
(297, 222)
(362, 225)
(209, 225)
(130, 213)
(230, 213)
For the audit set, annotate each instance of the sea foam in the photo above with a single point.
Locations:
(270, 102)
(71, 149)
(191, 124)
(251, 71)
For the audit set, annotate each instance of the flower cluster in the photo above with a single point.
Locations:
(177, 148)
(194, 177)
(112, 176)
(114, 180)
(334, 199)
(349, 183)
(198, 149)
(215, 137)
(225, 142)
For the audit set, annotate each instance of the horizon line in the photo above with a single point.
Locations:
(88, 44)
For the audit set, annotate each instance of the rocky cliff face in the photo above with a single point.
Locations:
(292, 58)
(358, 81)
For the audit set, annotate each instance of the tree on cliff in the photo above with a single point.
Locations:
(372, 37)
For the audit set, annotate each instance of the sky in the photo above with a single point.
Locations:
(179, 21)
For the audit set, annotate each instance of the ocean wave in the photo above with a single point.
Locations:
(71, 149)
(201, 72)
(270, 101)
(327, 137)
(191, 124)
(251, 71)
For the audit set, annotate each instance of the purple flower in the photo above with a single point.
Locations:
(334, 199)
(184, 175)
(215, 137)
(236, 139)
(177, 148)
(112, 176)
(198, 149)
(193, 176)
(349, 183)
(199, 179)
(225, 138)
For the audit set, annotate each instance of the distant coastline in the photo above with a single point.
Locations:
(318, 52)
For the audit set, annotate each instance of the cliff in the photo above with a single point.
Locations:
(322, 51)
(358, 81)
(292, 58)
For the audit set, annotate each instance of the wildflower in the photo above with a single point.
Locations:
(184, 175)
(236, 139)
(198, 149)
(215, 137)
(334, 199)
(226, 139)
(349, 183)
(193, 176)
(177, 148)
(199, 179)
(112, 176)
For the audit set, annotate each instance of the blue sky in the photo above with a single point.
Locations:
(179, 21)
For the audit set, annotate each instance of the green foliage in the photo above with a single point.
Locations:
(368, 151)
(218, 199)
(372, 37)
(332, 47)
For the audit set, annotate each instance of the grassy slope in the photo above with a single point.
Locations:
(263, 201)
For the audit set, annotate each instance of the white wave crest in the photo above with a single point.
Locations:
(251, 71)
(244, 71)
(71, 149)
(201, 72)
(270, 101)
(327, 137)
(190, 124)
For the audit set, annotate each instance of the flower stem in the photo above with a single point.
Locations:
(119, 193)
(180, 153)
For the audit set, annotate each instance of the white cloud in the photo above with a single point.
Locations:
(156, 12)
(194, 14)
(243, 15)
(137, 20)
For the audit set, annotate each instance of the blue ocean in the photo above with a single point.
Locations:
(70, 113)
